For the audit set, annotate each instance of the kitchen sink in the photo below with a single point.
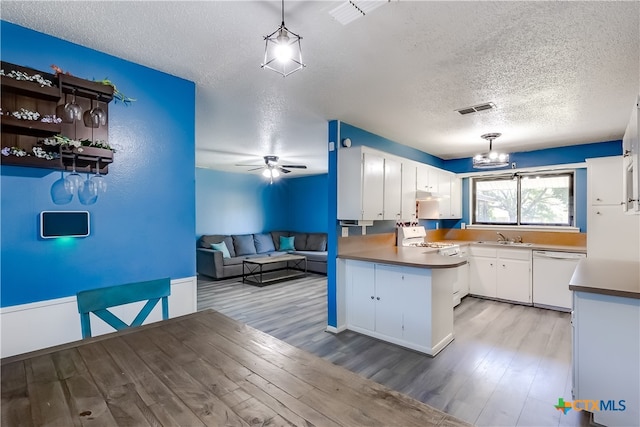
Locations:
(504, 243)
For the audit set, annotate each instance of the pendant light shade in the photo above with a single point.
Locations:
(282, 51)
(490, 159)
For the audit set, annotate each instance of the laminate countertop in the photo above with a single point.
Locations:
(406, 256)
(607, 277)
(530, 246)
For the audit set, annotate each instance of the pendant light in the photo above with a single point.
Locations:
(491, 159)
(282, 51)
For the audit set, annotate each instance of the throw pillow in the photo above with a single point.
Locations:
(286, 243)
(221, 247)
(263, 243)
(244, 245)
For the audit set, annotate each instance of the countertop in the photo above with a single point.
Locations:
(533, 246)
(406, 256)
(607, 277)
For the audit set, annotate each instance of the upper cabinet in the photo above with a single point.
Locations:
(631, 166)
(33, 127)
(373, 185)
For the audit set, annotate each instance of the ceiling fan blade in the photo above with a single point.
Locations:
(255, 169)
(283, 170)
(294, 166)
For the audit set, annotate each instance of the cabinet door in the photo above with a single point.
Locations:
(408, 191)
(392, 189)
(360, 295)
(416, 321)
(389, 310)
(604, 180)
(444, 191)
(425, 178)
(612, 234)
(456, 198)
(514, 280)
(372, 186)
(483, 276)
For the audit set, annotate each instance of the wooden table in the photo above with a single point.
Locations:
(252, 269)
(194, 370)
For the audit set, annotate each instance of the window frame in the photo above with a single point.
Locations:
(518, 176)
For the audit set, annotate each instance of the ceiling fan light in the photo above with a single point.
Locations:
(275, 173)
(266, 173)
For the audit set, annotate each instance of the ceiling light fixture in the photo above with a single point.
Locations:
(492, 159)
(282, 51)
(271, 172)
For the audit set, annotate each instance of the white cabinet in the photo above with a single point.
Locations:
(606, 350)
(372, 186)
(426, 178)
(611, 234)
(398, 304)
(605, 180)
(392, 197)
(501, 273)
(482, 271)
(456, 198)
(408, 208)
(513, 275)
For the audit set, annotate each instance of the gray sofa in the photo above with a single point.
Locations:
(212, 263)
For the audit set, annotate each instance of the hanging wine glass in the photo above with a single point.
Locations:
(98, 111)
(64, 111)
(90, 119)
(74, 180)
(99, 180)
(75, 109)
(88, 194)
(61, 193)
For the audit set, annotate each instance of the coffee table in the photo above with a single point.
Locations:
(252, 269)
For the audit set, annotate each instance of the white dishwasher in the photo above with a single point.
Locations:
(552, 272)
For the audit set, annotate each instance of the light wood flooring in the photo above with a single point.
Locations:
(507, 366)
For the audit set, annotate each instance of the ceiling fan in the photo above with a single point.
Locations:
(272, 169)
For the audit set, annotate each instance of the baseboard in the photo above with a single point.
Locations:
(335, 330)
(42, 324)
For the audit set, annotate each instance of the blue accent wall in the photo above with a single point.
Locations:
(143, 227)
(307, 203)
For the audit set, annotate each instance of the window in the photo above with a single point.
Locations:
(524, 199)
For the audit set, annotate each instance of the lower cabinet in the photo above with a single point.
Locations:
(394, 303)
(501, 273)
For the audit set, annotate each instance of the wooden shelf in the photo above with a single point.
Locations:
(29, 127)
(31, 161)
(27, 88)
(85, 88)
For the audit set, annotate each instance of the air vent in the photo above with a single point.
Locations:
(351, 10)
(476, 108)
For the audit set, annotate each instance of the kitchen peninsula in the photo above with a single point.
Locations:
(399, 294)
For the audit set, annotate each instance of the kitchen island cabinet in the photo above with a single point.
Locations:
(407, 306)
(606, 338)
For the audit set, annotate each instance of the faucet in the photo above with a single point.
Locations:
(518, 239)
(501, 237)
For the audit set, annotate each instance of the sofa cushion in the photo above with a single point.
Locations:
(276, 238)
(244, 245)
(222, 246)
(207, 240)
(301, 241)
(312, 255)
(287, 243)
(316, 242)
(263, 243)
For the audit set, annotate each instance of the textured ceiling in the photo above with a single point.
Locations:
(560, 73)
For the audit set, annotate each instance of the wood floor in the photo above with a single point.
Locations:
(507, 366)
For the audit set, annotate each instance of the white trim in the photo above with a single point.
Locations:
(334, 330)
(42, 324)
(568, 167)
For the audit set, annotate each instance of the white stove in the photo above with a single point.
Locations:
(414, 236)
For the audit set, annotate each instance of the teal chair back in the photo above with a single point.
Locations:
(97, 301)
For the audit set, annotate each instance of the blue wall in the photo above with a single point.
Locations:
(307, 205)
(143, 227)
(237, 203)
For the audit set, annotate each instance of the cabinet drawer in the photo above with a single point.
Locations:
(483, 251)
(523, 254)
